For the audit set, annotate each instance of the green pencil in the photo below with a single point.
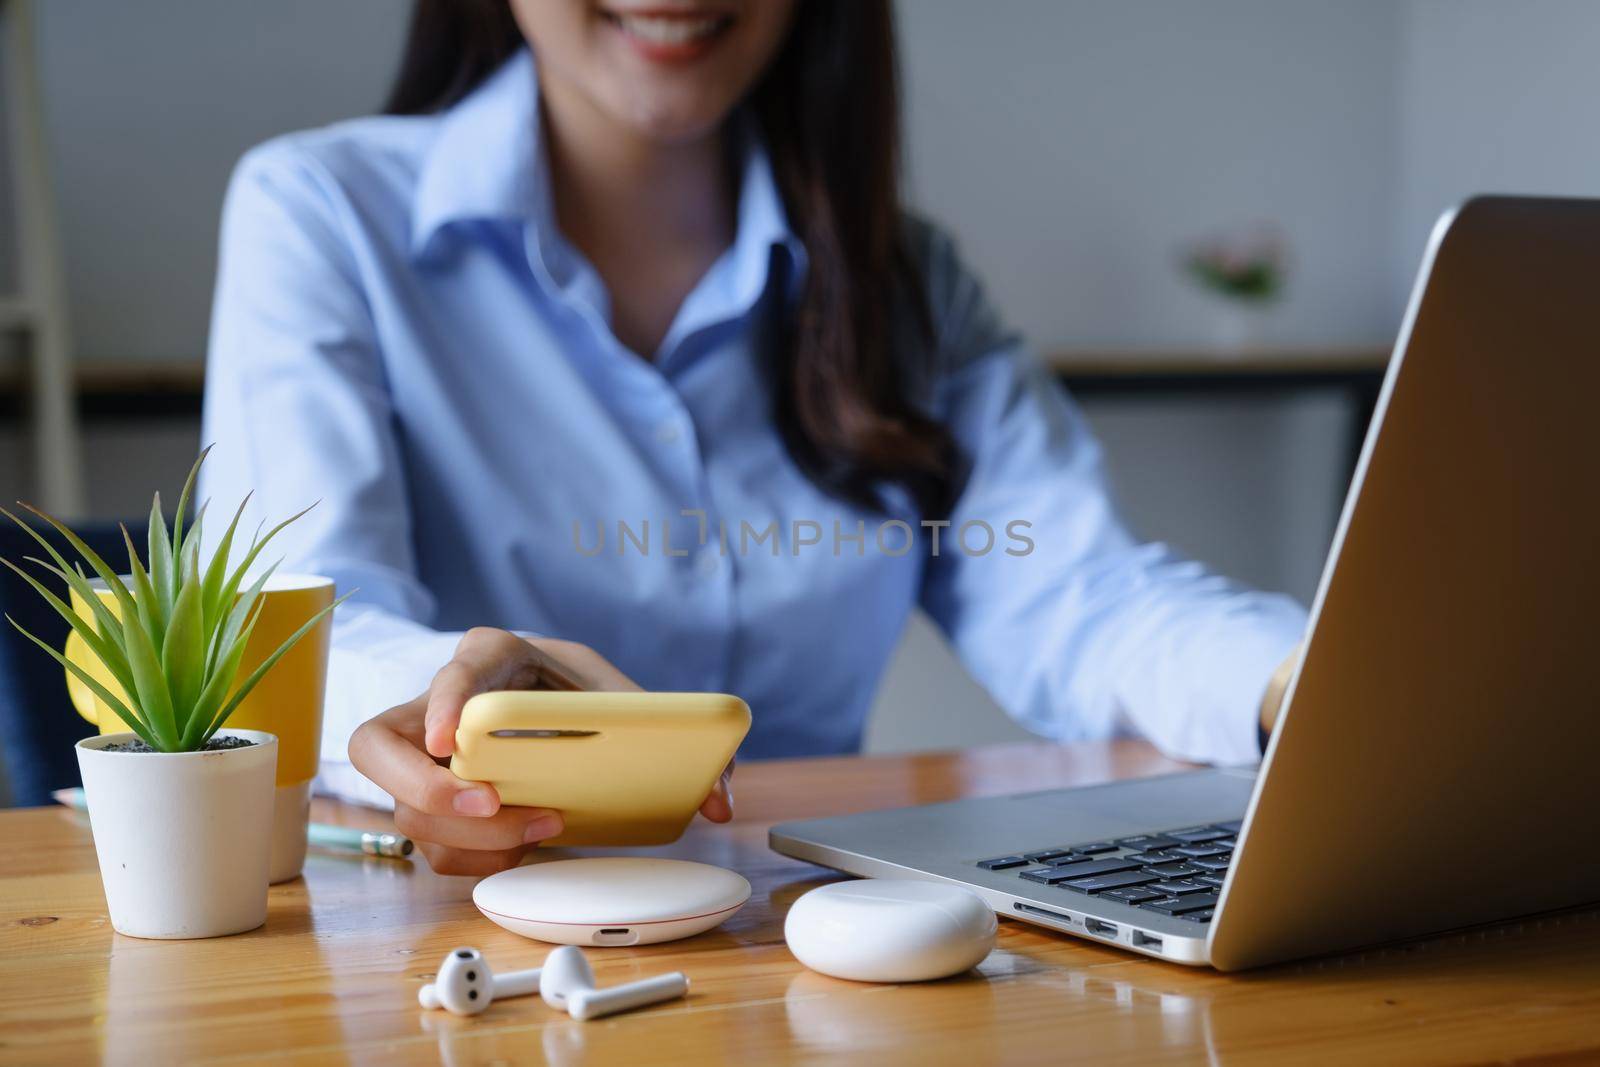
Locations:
(341, 838)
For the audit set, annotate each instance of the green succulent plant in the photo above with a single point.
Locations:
(177, 646)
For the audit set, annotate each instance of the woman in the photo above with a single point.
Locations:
(611, 346)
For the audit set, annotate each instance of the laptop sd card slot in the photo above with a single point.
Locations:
(1046, 913)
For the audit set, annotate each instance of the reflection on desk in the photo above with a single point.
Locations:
(333, 975)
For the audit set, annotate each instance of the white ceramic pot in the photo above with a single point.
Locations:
(183, 838)
(291, 812)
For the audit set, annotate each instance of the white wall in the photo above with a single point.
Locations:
(1494, 98)
(1075, 146)
(149, 105)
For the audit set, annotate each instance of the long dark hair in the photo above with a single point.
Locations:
(848, 390)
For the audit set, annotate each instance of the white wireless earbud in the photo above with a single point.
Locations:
(567, 984)
(465, 985)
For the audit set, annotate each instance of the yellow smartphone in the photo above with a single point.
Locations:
(622, 768)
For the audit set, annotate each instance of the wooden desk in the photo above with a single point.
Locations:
(333, 975)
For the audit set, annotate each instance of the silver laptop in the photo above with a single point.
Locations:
(1437, 764)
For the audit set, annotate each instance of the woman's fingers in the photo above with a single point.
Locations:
(718, 806)
(445, 860)
(484, 659)
(582, 665)
(387, 749)
(1278, 687)
(509, 828)
(459, 826)
(487, 659)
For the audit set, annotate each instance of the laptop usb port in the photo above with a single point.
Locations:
(1100, 928)
(1144, 940)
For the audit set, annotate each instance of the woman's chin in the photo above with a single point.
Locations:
(657, 120)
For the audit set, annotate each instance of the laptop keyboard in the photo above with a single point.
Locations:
(1177, 873)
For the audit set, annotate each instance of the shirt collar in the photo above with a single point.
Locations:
(740, 276)
(485, 161)
(488, 161)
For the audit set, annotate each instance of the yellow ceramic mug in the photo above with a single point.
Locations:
(286, 702)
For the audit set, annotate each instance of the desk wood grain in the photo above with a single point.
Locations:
(332, 977)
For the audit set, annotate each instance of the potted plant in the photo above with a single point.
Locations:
(1246, 272)
(180, 809)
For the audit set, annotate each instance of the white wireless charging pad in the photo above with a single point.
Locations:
(890, 930)
(619, 900)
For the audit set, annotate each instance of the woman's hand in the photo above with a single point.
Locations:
(460, 826)
(1278, 686)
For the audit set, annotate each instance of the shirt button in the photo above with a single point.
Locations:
(707, 562)
(668, 433)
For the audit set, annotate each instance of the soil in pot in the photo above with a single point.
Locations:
(216, 744)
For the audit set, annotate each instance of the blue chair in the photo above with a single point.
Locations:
(38, 725)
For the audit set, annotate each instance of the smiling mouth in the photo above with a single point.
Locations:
(670, 34)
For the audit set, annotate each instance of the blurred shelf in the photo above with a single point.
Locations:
(1178, 370)
(151, 388)
(1251, 360)
(118, 388)
(14, 313)
(1354, 374)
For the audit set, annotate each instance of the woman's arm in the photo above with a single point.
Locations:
(299, 410)
(1087, 632)
(298, 407)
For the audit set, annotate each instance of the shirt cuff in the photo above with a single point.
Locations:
(378, 659)
(1236, 680)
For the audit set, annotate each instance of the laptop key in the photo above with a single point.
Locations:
(1197, 835)
(1152, 858)
(1231, 827)
(1132, 895)
(1087, 869)
(1214, 864)
(1214, 880)
(1173, 870)
(1199, 916)
(1182, 905)
(1069, 858)
(1101, 882)
(1148, 842)
(1180, 887)
(1002, 863)
(1225, 842)
(1094, 848)
(1045, 875)
(1046, 854)
(1199, 851)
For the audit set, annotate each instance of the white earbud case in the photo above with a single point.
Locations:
(890, 930)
